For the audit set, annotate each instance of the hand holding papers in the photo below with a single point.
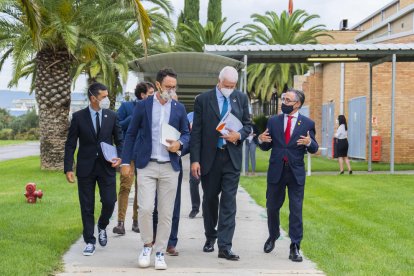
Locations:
(110, 154)
(229, 127)
(229, 122)
(169, 138)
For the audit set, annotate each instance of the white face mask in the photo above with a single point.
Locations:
(104, 103)
(226, 92)
(166, 95)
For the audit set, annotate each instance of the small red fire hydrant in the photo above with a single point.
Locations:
(31, 194)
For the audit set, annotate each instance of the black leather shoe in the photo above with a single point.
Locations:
(135, 227)
(102, 238)
(228, 255)
(294, 253)
(193, 213)
(269, 245)
(208, 246)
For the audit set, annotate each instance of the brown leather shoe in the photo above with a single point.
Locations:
(135, 227)
(119, 229)
(171, 251)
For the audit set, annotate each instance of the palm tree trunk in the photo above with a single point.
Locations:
(52, 86)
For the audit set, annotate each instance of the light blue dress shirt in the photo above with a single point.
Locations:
(160, 114)
(93, 116)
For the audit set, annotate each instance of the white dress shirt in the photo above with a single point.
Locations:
(341, 132)
(160, 114)
(293, 122)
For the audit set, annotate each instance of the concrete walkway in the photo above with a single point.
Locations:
(18, 151)
(120, 256)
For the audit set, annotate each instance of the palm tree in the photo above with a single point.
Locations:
(46, 38)
(270, 29)
(197, 35)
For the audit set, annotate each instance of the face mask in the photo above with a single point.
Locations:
(166, 94)
(226, 92)
(104, 103)
(287, 109)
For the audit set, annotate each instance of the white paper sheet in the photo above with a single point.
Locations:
(108, 151)
(170, 133)
(229, 121)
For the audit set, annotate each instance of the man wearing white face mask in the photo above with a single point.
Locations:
(157, 165)
(91, 126)
(217, 159)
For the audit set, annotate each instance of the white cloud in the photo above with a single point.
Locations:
(330, 11)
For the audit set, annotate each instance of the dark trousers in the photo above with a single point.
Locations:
(275, 196)
(107, 192)
(172, 241)
(194, 193)
(222, 178)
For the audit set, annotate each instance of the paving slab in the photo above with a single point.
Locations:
(120, 256)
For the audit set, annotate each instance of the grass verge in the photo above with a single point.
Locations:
(354, 225)
(35, 236)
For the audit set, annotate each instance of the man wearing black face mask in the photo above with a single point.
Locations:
(290, 135)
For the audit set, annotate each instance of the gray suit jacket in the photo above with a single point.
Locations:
(204, 136)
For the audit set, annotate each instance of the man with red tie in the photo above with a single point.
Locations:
(290, 135)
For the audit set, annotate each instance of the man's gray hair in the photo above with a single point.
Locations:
(300, 96)
(229, 73)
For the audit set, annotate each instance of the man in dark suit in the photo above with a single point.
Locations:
(290, 135)
(91, 126)
(157, 165)
(142, 91)
(217, 158)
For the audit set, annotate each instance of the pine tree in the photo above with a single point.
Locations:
(214, 11)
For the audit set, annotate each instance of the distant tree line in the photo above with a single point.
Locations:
(25, 127)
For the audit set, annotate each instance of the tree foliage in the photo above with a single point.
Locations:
(214, 13)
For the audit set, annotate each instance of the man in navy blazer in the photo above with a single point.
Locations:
(158, 166)
(290, 135)
(142, 91)
(91, 126)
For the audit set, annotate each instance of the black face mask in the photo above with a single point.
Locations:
(287, 109)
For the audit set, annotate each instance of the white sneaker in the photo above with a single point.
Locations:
(144, 259)
(160, 261)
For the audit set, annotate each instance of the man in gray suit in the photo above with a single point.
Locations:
(217, 158)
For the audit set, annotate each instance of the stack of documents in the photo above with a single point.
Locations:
(229, 121)
(109, 152)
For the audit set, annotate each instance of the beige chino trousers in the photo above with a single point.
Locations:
(163, 180)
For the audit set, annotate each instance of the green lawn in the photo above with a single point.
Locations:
(320, 164)
(33, 237)
(12, 142)
(354, 225)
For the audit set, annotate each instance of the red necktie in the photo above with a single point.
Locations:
(287, 131)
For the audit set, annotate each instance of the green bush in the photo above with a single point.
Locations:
(261, 123)
(6, 134)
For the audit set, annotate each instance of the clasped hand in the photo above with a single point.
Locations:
(232, 136)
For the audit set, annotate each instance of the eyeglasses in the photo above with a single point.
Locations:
(171, 87)
(287, 100)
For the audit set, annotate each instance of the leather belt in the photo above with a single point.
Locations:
(159, 162)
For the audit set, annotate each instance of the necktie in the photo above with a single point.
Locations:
(223, 112)
(287, 135)
(287, 131)
(98, 124)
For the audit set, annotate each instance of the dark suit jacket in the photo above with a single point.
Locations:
(294, 152)
(125, 114)
(204, 136)
(81, 127)
(139, 133)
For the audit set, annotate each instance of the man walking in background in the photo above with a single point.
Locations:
(217, 159)
(142, 91)
(91, 126)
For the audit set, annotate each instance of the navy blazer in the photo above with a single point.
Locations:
(89, 152)
(294, 153)
(125, 114)
(139, 133)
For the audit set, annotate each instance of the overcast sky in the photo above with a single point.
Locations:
(330, 11)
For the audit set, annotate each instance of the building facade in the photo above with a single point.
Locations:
(325, 84)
